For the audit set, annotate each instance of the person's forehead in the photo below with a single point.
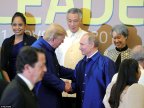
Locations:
(72, 15)
(18, 19)
(115, 34)
(61, 37)
(41, 58)
(84, 38)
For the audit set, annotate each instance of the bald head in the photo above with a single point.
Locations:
(88, 44)
(91, 38)
(138, 53)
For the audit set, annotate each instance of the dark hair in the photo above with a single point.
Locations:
(127, 75)
(18, 14)
(27, 55)
(138, 53)
(0, 61)
(0, 68)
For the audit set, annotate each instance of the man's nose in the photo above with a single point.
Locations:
(116, 40)
(72, 23)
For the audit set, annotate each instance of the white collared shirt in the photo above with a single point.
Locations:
(141, 79)
(28, 83)
(92, 54)
(68, 53)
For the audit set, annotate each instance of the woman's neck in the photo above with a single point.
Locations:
(122, 49)
(18, 38)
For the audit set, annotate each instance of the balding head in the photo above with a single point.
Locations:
(138, 53)
(92, 39)
(88, 44)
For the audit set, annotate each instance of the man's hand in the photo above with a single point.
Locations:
(68, 87)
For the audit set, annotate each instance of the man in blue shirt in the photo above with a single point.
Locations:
(93, 73)
(49, 91)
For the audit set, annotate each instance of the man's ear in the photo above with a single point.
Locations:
(92, 44)
(26, 67)
(52, 39)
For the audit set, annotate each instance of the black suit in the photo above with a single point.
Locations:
(18, 95)
(3, 85)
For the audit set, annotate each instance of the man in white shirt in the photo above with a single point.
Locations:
(68, 53)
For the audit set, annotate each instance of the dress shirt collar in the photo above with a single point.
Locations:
(92, 54)
(92, 57)
(70, 34)
(96, 56)
(28, 83)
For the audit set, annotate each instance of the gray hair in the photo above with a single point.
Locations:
(138, 53)
(75, 11)
(121, 30)
(92, 38)
(53, 31)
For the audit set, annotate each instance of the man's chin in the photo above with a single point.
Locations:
(40, 79)
(83, 54)
(73, 30)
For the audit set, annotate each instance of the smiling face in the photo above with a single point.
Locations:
(85, 46)
(119, 40)
(73, 21)
(18, 26)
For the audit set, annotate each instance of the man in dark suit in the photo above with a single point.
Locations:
(3, 85)
(30, 66)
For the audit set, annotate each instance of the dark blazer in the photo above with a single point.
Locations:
(6, 50)
(49, 90)
(18, 95)
(3, 85)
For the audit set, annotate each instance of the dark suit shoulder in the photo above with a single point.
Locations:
(28, 40)
(12, 88)
(12, 96)
(30, 37)
(3, 84)
(8, 40)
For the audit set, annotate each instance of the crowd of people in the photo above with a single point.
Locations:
(32, 69)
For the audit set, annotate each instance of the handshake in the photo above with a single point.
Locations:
(68, 87)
